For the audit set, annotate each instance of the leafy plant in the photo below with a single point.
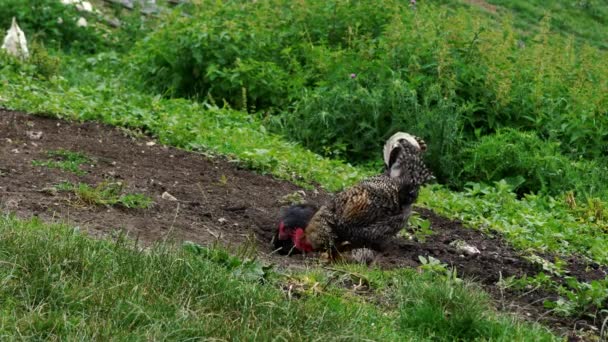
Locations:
(432, 264)
(340, 79)
(421, 227)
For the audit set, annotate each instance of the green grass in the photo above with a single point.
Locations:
(586, 20)
(106, 194)
(64, 160)
(60, 284)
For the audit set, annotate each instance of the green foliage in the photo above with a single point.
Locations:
(51, 22)
(341, 77)
(534, 222)
(64, 160)
(531, 165)
(254, 55)
(106, 194)
(420, 227)
(40, 63)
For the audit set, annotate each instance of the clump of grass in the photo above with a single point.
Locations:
(64, 160)
(106, 194)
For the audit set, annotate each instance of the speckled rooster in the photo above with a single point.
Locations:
(364, 215)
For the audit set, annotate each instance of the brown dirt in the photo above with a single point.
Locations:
(220, 202)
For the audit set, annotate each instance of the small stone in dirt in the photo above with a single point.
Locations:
(167, 196)
(222, 220)
(150, 143)
(15, 150)
(463, 247)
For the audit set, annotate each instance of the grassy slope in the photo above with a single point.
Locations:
(586, 20)
(86, 95)
(59, 284)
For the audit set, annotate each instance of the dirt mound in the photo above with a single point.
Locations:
(216, 202)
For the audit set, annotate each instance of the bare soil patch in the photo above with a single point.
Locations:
(217, 201)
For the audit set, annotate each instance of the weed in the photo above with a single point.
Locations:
(106, 194)
(64, 160)
(432, 264)
(421, 227)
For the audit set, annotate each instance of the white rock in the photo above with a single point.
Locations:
(463, 247)
(82, 22)
(15, 43)
(34, 135)
(167, 196)
(84, 6)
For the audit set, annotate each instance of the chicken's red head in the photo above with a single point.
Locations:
(290, 236)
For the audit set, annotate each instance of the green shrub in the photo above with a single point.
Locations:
(219, 53)
(51, 22)
(254, 55)
(530, 164)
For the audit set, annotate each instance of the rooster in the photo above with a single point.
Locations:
(365, 215)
